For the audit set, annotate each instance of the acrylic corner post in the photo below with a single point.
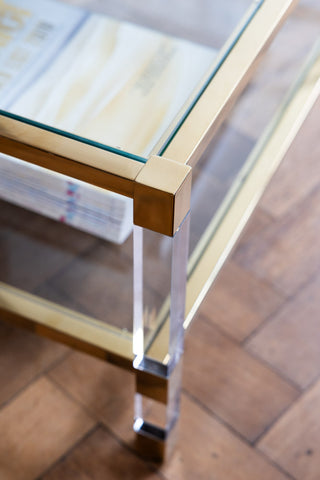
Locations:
(161, 239)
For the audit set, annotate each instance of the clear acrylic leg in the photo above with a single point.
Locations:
(158, 335)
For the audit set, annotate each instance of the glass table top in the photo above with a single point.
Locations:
(121, 75)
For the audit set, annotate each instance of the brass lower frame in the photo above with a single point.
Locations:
(66, 326)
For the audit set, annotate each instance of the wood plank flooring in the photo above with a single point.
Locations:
(251, 388)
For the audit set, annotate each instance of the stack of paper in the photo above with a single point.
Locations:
(91, 209)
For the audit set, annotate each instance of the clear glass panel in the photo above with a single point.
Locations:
(160, 277)
(153, 264)
(88, 269)
(124, 80)
(226, 160)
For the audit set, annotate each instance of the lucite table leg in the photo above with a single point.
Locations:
(158, 366)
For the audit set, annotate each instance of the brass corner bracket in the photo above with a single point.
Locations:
(162, 193)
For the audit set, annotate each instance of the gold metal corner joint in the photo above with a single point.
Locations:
(162, 195)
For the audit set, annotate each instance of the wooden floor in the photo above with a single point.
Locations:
(251, 389)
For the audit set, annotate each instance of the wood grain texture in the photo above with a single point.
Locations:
(209, 451)
(301, 167)
(100, 456)
(239, 390)
(287, 254)
(239, 302)
(104, 390)
(23, 357)
(37, 427)
(290, 340)
(294, 440)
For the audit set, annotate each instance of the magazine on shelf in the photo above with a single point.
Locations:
(112, 82)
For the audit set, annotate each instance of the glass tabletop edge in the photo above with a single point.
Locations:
(200, 126)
